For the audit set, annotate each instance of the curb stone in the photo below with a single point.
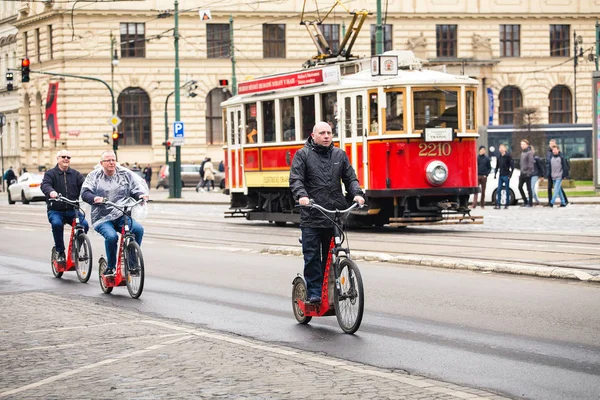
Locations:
(449, 263)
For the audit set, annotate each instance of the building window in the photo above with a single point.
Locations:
(25, 47)
(387, 38)
(133, 42)
(214, 116)
(38, 45)
(510, 99)
(134, 110)
(446, 40)
(510, 40)
(559, 41)
(331, 33)
(274, 41)
(50, 48)
(217, 40)
(559, 111)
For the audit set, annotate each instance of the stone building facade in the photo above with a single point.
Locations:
(520, 50)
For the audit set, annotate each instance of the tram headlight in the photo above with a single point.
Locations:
(437, 173)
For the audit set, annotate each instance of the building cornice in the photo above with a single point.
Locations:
(8, 20)
(19, 23)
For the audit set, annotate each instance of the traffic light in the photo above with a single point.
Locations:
(115, 137)
(223, 82)
(167, 145)
(106, 138)
(25, 70)
(191, 89)
(9, 81)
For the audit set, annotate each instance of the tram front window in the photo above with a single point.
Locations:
(268, 112)
(288, 121)
(394, 112)
(251, 133)
(435, 108)
(329, 110)
(307, 112)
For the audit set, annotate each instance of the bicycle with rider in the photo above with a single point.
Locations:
(317, 173)
(116, 184)
(67, 182)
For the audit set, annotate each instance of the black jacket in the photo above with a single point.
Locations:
(484, 166)
(67, 183)
(317, 173)
(505, 165)
(539, 167)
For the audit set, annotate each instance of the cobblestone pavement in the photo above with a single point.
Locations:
(52, 347)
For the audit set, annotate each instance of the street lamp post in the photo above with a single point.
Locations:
(113, 63)
(187, 84)
(577, 48)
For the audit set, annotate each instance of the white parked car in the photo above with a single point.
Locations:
(27, 189)
(491, 189)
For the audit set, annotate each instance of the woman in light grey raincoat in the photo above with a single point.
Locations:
(116, 184)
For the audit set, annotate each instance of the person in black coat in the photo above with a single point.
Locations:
(63, 180)
(505, 165)
(484, 168)
(317, 173)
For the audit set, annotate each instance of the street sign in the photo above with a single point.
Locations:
(178, 141)
(114, 121)
(178, 131)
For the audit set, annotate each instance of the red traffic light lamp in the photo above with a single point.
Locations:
(115, 137)
(223, 82)
(25, 63)
(167, 145)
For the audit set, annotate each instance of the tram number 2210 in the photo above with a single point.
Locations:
(434, 149)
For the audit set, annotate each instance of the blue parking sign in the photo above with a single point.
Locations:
(178, 131)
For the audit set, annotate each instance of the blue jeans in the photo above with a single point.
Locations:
(503, 182)
(558, 191)
(534, 180)
(315, 247)
(109, 230)
(58, 219)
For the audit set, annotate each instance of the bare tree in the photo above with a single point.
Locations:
(526, 120)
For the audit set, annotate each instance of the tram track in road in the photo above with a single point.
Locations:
(471, 250)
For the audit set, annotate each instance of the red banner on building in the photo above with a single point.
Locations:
(295, 80)
(51, 117)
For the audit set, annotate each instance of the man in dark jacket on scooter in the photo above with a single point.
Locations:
(65, 181)
(317, 173)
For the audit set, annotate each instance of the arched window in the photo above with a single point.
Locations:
(510, 100)
(134, 111)
(559, 111)
(214, 115)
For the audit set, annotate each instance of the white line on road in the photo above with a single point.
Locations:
(18, 228)
(68, 328)
(219, 248)
(90, 366)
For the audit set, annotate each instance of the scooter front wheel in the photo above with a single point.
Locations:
(349, 300)
(299, 294)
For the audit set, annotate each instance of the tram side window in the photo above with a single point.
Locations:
(307, 112)
(329, 110)
(373, 109)
(268, 112)
(359, 116)
(435, 109)
(470, 98)
(394, 112)
(288, 121)
(251, 132)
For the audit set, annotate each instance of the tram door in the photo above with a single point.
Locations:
(354, 131)
(235, 151)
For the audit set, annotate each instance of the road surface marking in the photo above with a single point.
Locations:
(68, 328)
(15, 228)
(90, 366)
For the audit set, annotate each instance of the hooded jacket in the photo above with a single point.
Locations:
(527, 162)
(66, 183)
(317, 172)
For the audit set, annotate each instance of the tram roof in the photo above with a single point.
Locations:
(361, 80)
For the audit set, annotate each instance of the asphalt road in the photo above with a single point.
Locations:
(530, 337)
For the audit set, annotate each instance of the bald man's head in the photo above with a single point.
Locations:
(322, 134)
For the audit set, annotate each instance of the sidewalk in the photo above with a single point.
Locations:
(189, 196)
(58, 347)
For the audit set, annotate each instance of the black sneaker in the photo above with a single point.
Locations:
(563, 205)
(109, 271)
(314, 299)
(61, 258)
(496, 207)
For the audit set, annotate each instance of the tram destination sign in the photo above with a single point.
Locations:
(310, 77)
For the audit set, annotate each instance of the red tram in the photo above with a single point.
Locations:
(409, 132)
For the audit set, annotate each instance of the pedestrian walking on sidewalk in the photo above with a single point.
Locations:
(549, 154)
(147, 174)
(200, 185)
(539, 170)
(558, 172)
(505, 167)
(527, 166)
(209, 175)
(484, 168)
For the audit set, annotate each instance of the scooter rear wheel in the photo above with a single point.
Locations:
(299, 294)
(101, 267)
(53, 258)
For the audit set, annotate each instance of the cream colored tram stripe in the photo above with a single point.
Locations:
(90, 366)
